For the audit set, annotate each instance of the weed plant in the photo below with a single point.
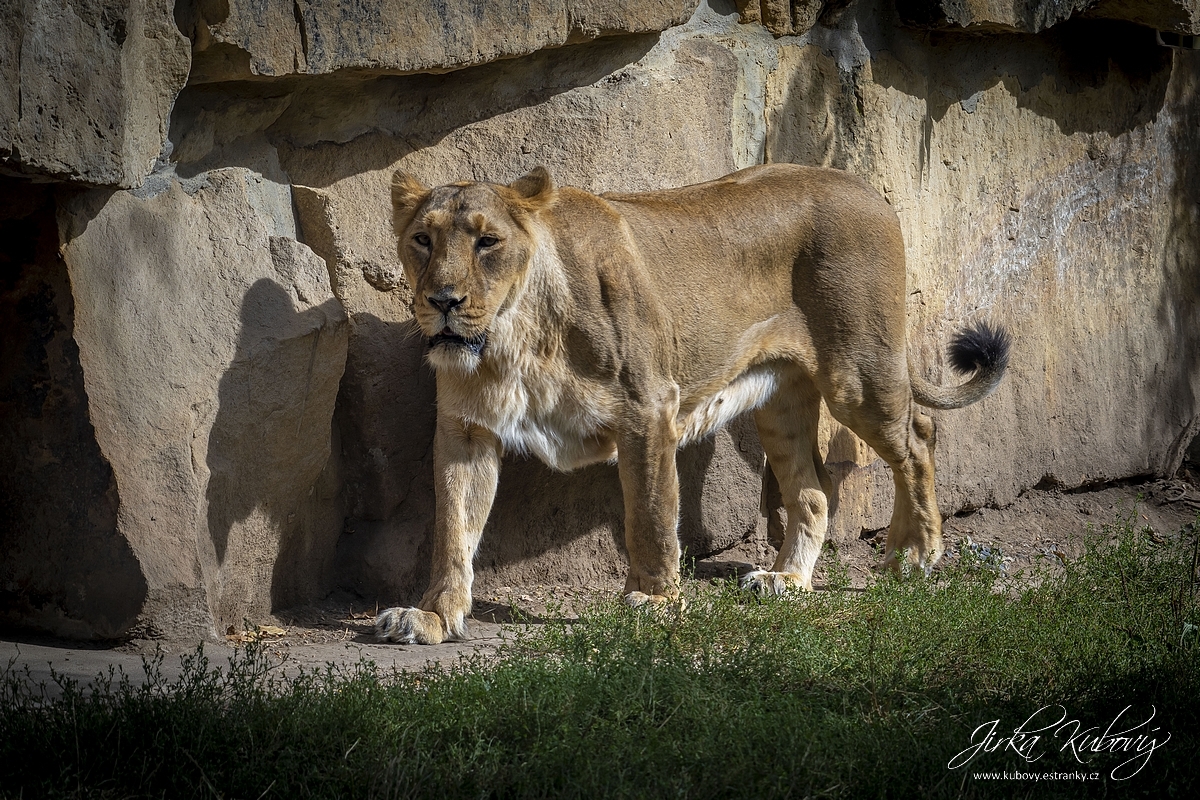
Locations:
(838, 693)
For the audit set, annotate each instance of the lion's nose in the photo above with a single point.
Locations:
(445, 300)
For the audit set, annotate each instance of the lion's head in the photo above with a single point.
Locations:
(466, 249)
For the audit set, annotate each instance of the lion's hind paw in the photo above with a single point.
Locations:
(774, 584)
(409, 626)
(899, 564)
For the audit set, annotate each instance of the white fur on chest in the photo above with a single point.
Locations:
(532, 414)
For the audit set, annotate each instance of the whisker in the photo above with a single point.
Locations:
(411, 329)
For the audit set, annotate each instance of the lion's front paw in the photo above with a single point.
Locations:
(409, 626)
(639, 599)
(765, 582)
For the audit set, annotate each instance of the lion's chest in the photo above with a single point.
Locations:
(537, 413)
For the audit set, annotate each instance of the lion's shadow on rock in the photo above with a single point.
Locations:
(268, 453)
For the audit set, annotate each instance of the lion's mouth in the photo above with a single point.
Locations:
(472, 344)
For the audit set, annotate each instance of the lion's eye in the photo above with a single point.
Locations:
(488, 241)
(422, 239)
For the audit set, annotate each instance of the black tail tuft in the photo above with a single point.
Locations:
(981, 347)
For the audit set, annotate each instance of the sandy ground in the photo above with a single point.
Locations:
(1038, 531)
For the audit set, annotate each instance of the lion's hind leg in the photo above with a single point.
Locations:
(904, 438)
(916, 522)
(787, 427)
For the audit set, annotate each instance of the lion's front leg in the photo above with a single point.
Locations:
(650, 485)
(466, 462)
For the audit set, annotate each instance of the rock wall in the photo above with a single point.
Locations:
(240, 39)
(214, 405)
(1041, 181)
(86, 87)
(1034, 16)
(212, 348)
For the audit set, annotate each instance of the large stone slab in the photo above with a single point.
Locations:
(241, 39)
(212, 348)
(955, 133)
(86, 87)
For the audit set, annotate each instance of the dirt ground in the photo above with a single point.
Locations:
(1039, 530)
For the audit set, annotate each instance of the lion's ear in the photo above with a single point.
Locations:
(407, 193)
(536, 187)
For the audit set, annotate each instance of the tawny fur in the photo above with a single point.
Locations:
(581, 328)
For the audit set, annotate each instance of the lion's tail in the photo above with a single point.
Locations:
(982, 349)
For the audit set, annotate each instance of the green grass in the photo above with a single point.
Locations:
(832, 694)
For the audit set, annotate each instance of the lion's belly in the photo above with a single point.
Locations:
(572, 428)
(573, 440)
(745, 392)
(567, 441)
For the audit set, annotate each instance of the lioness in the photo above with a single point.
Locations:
(583, 328)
